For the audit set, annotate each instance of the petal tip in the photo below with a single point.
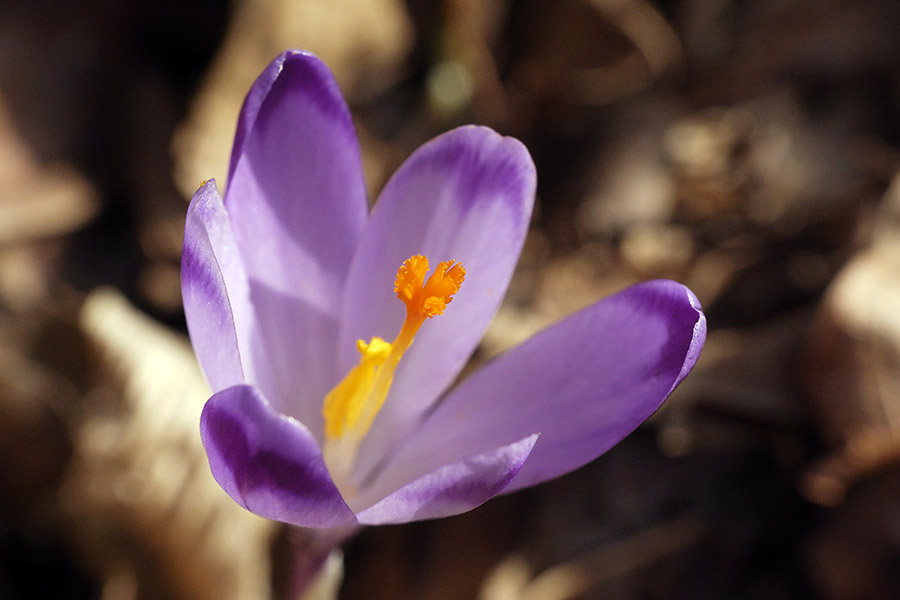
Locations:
(698, 338)
(291, 71)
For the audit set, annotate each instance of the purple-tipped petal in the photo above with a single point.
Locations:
(297, 201)
(452, 489)
(583, 384)
(215, 291)
(269, 463)
(467, 195)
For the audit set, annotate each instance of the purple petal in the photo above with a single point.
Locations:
(297, 202)
(269, 463)
(466, 195)
(452, 489)
(215, 291)
(583, 384)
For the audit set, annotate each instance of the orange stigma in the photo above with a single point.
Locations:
(427, 298)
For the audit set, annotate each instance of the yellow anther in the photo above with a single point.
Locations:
(345, 404)
(377, 349)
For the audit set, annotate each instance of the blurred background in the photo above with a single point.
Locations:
(748, 149)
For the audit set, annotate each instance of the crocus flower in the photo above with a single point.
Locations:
(332, 343)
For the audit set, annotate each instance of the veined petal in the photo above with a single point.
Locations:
(583, 384)
(297, 202)
(466, 196)
(215, 291)
(452, 489)
(269, 463)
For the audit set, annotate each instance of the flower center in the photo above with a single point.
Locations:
(352, 405)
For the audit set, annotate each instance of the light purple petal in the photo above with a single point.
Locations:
(452, 489)
(252, 103)
(297, 202)
(215, 291)
(583, 384)
(467, 195)
(269, 463)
